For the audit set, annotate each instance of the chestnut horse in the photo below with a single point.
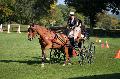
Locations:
(48, 39)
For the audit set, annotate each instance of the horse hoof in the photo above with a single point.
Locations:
(69, 64)
(42, 65)
(47, 59)
(63, 65)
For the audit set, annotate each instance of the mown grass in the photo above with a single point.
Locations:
(20, 59)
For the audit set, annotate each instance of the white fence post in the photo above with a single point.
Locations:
(18, 31)
(1, 30)
(8, 28)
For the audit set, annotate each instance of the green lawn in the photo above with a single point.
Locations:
(20, 59)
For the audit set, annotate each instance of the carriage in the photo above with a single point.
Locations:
(61, 46)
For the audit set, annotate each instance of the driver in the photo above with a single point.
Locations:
(72, 23)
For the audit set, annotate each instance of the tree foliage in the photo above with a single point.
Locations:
(106, 21)
(92, 7)
(6, 9)
(53, 17)
(114, 21)
(23, 11)
(103, 21)
(45, 12)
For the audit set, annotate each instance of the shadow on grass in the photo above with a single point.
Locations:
(29, 62)
(105, 76)
(34, 60)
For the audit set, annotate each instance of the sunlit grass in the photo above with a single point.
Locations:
(20, 59)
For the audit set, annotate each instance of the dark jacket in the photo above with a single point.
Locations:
(74, 23)
(70, 23)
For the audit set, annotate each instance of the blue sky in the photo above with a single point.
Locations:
(61, 1)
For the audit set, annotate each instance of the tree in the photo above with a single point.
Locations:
(54, 16)
(115, 22)
(6, 9)
(24, 11)
(65, 11)
(106, 21)
(103, 21)
(91, 7)
(41, 8)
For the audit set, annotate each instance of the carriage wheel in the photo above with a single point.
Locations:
(87, 54)
(91, 53)
(83, 55)
(56, 56)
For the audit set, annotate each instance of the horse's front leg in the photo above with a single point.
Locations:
(43, 51)
(43, 57)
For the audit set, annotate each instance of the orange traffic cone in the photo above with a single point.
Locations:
(118, 55)
(107, 45)
(102, 45)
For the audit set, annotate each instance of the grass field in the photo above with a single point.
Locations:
(20, 59)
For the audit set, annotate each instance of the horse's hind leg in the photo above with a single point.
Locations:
(67, 55)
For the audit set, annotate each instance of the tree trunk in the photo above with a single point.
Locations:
(91, 29)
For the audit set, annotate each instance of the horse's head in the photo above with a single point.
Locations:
(31, 32)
